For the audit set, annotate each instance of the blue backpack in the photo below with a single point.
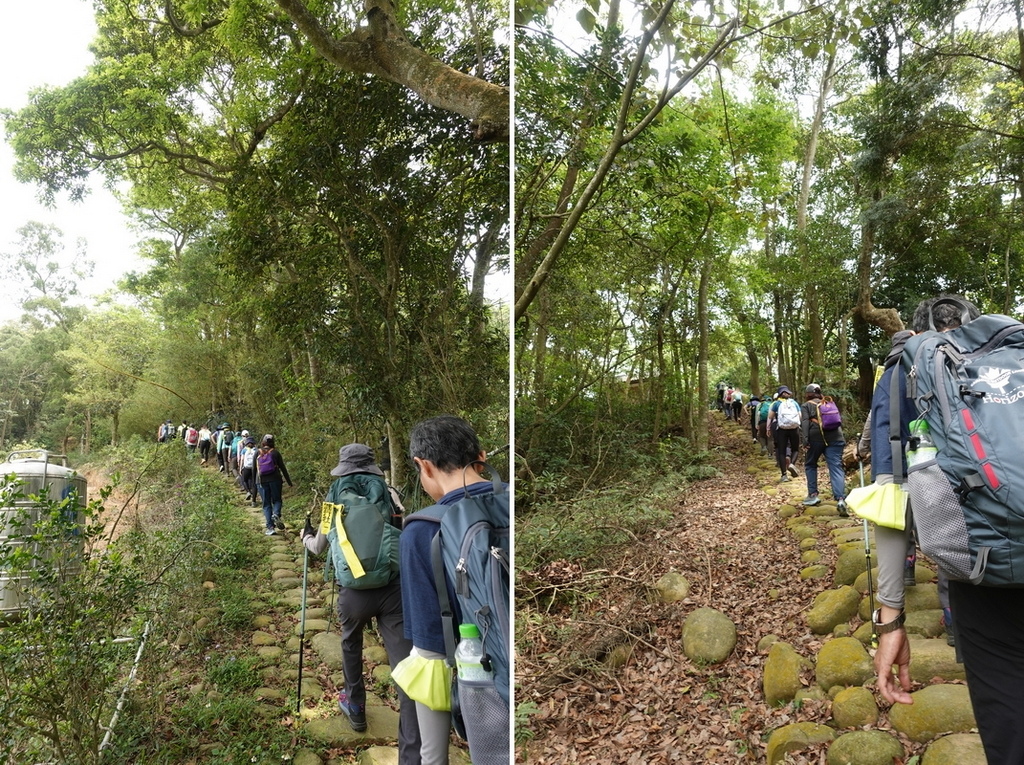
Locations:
(968, 502)
(471, 550)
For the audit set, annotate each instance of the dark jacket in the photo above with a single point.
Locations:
(881, 450)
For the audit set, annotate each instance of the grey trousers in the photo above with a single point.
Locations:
(356, 609)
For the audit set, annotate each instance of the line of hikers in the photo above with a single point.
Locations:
(259, 470)
(782, 425)
(420, 616)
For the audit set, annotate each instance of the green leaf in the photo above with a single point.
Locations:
(586, 19)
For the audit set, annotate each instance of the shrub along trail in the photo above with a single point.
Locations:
(606, 668)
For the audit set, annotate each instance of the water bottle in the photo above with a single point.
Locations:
(469, 654)
(926, 449)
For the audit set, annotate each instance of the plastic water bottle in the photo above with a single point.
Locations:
(926, 449)
(469, 654)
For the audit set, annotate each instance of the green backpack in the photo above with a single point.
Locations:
(357, 517)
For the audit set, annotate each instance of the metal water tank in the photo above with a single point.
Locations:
(35, 470)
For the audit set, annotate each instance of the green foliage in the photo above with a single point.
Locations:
(566, 521)
(59, 663)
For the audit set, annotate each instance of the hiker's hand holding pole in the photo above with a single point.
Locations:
(893, 649)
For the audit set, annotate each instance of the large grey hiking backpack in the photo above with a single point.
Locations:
(968, 503)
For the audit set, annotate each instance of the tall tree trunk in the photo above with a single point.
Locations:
(700, 425)
(817, 360)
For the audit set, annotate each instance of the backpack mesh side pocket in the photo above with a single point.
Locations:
(485, 715)
(939, 520)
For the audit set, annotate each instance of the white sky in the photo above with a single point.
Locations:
(44, 42)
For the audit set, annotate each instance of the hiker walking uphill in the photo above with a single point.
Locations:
(974, 432)
(271, 474)
(449, 460)
(361, 521)
(822, 432)
(784, 417)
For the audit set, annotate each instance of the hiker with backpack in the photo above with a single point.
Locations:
(247, 469)
(963, 503)
(271, 474)
(764, 438)
(361, 522)
(727, 400)
(822, 432)
(737, 405)
(752, 405)
(205, 437)
(784, 417)
(450, 462)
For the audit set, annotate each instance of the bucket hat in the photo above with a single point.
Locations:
(783, 389)
(356, 458)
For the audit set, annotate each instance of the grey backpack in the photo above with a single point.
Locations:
(968, 502)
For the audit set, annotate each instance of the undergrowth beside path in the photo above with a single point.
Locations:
(601, 675)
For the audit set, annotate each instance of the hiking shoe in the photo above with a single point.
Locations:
(269, 533)
(843, 511)
(278, 523)
(792, 470)
(909, 576)
(355, 713)
(785, 478)
(811, 500)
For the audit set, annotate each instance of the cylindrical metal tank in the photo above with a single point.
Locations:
(21, 508)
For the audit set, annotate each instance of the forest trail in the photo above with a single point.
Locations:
(728, 540)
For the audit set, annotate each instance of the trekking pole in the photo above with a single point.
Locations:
(302, 618)
(867, 558)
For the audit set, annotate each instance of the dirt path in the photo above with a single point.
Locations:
(728, 541)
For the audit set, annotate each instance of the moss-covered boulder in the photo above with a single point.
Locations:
(832, 607)
(708, 636)
(803, 531)
(933, 658)
(955, 749)
(865, 747)
(794, 738)
(810, 556)
(927, 623)
(854, 708)
(936, 709)
(843, 661)
(786, 511)
(782, 670)
(923, 597)
(809, 543)
(849, 565)
(672, 587)
(861, 583)
(816, 571)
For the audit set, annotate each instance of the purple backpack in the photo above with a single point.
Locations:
(265, 462)
(828, 415)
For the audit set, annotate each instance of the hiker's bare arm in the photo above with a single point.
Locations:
(893, 650)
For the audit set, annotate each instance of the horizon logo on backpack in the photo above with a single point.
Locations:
(968, 502)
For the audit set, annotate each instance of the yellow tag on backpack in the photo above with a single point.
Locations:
(330, 512)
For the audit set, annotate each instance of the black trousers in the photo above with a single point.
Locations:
(786, 439)
(356, 609)
(989, 625)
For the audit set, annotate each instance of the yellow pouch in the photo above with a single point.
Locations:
(882, 504)
(428, 681)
